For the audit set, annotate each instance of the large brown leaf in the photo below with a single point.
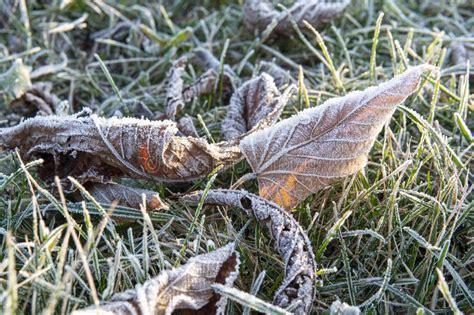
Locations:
(291, 242)
(306, 152)
(97, 148)
(258, 102)
(184, 290)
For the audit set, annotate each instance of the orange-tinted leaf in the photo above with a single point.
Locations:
(308, 151)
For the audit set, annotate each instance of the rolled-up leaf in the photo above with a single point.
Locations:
(291, 242)
(182, 290)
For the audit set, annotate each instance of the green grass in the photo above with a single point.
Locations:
(395, 238)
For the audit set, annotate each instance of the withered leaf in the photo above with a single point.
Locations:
(461, 53)
(292, 244)
(308, 151)
(177, 94)
(16, 80)
(179, 291)
(97, 148)
(125, 196)
(174, 88)
(204, 84)
(279, 75)
(40, 98)
(187, 127)
(208, 61)
(259, 14)
(257, 102)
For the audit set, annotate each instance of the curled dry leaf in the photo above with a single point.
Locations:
(259, 14)
(174, 88)
(291, 241)
(255, 105)
(204, 84)
(40, 98)
(98, 148)
(208, 61)
(187, 127)
(461, 53)
(179, 291)
(280, 76)
(126, 196)
(177, 94)
(308, 151)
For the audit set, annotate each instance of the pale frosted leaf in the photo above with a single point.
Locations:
(17, 79)
(208, 61)
(340, 308)
(280, 76)
(39, 98)
(187, 288)
(94, 147)
(308, 151)
(187, 127)
(174, 88)
(204, 84)
(125, 196)
(257, 102)
(258, 14)
(292, 244)
(461, 53)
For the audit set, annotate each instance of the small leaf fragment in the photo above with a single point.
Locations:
(257, 102)
(182, 290)
(174, 89)
(17, 79)
(108, 193)
(292, 243)
(306, 152)
(40, 98)
(208, 61)
(461, 53)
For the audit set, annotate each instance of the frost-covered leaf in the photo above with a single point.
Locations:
(177, 94)
(259, 14)
(187, 127)
(17, 79)
(340, 308)
(461, 53)
(97, 148)
(257, 103)
(204, 84)
(208, 61)
(308, 151)
(292, 243)
(39, 98)
(174, 88)
(183, 290)
(126, 196)
(280, 75)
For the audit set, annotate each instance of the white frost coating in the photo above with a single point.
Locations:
(187, 287)
(312, 149)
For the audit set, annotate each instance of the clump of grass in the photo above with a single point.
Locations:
(396, 237)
